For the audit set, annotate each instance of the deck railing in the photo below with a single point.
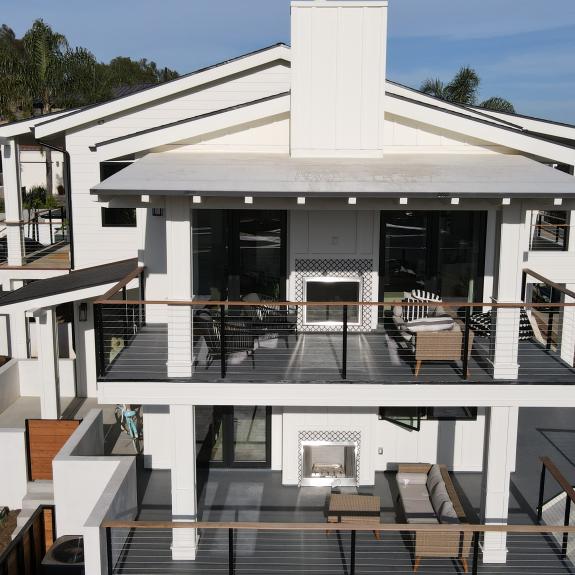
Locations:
(378, 342)
(334, 548)
(44, 240)
(24, 554)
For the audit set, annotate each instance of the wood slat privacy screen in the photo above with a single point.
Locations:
(45, 437)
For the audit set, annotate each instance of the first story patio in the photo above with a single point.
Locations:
(252, 496)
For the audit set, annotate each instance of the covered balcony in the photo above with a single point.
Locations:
(336, 338)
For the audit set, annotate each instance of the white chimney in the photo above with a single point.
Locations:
(338, 77)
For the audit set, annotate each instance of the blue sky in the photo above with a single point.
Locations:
(523, 50)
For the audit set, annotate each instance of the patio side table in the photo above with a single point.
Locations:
(354, 509)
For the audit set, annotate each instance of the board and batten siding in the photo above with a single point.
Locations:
(96, 245)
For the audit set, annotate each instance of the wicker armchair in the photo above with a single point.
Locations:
(445, 345)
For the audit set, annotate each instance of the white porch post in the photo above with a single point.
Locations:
(567, 330)
(13, 203)
(48, 360)
(499, 462)
(179, 269)
(505, 360)
(184, 499)
(18, 331)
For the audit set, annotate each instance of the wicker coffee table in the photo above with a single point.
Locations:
(354, 509)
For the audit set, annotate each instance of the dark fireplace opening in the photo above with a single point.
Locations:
(332, 290)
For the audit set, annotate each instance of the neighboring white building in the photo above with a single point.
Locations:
(302, 175)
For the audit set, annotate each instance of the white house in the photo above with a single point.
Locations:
(284, 198)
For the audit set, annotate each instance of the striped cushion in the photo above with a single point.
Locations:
(438, 323)
(481, 324)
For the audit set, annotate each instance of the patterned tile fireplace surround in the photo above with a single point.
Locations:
(309, 268)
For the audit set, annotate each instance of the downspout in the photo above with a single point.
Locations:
(68, 188)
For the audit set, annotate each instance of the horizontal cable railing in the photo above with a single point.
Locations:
(374, 342)
(43, 241)
(549, 231)
(344, 548)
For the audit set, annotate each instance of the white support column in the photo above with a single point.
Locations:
(48, 359)
(184, 497)
(18, 330)
(13, 202)
(505, 358)
(499, 462)
(567, 332)
(179, 270)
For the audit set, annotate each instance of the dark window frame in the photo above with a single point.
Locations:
(420, 414)
(108, 169)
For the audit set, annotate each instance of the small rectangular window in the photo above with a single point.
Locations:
(410, 418)
(119, 217)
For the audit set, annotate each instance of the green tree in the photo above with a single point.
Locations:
(42, 72)
(463, 89)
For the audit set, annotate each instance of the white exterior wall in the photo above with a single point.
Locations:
(13, 485)
(158, 437)
(94, 244)
(457, 444)
(9, 384)
(31, 381)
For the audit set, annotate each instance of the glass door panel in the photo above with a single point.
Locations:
(229, 436)
(250, 434)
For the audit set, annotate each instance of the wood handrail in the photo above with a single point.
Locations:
(355, 526)
(122, 283)
(550, 283)
(207, 303)
(559, 477)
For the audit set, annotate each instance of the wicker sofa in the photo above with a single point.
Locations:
(427, 495)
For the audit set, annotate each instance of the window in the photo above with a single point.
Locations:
(549, 231)
(410, 417)
(116, 217)
(119, 217)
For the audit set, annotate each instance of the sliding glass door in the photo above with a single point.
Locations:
(228, 436)
(442, 252)
(239, 252)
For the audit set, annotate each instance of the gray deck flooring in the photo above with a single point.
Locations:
(372, 357)
(257, 495)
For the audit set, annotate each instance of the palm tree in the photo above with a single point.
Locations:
(463, 89)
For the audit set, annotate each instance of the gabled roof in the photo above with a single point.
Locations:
(20, 127)
(486, 129)
(246, 62)
(195, 126)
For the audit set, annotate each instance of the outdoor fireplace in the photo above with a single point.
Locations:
(329, 458)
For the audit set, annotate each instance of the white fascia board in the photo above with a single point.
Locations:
(24, 126)
(540, 125)
(169, 89)
(58, 299)
(480, 130)
(184, 130)
(406, 92)
(340, 395)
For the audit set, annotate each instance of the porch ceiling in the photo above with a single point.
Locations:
(392, 176)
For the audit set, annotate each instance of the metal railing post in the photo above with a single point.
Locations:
(100, 352)
(475, 553)
(466, 342)
(223, 341)
(352, 555)
(231, 566)
(344, 345)
(51, 230)
(541, 493)
(566, 522)
(110, 559)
